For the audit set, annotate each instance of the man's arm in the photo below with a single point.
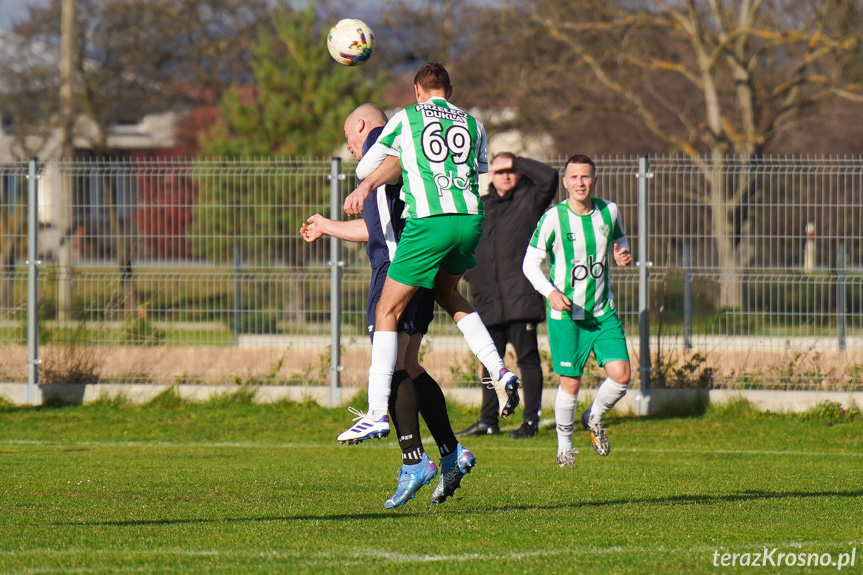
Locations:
(619, 237)
(351, 230)
(621, 254)
(387, 173)
(544, 178)
(372, 159)
(532, 269)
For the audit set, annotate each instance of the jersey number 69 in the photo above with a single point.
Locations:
(438, 144)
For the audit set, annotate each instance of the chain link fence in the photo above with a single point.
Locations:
(193, 271)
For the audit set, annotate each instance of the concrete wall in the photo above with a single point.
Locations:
(662, 400)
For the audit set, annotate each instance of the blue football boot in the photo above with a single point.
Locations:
(411, 479)
(453, 467)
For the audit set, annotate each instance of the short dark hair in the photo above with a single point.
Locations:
(432, 76)
(509, 155)
(580, 159)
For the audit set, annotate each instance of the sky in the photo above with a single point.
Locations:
(14, 10)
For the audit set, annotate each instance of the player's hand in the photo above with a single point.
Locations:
(559, 302)
(354, 203)
(622, 256)
(313, 228)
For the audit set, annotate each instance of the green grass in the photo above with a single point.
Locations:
(231, 487)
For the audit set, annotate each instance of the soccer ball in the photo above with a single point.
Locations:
(351, 42)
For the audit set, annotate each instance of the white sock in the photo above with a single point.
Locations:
(481, 344)
(564, 417)
(607, 395)
(384, 352)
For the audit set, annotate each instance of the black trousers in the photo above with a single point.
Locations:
(522, 336)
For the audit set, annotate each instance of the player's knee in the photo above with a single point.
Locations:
(624, 378)
(570, 384)
(619, 372)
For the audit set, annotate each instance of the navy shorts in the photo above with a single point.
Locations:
(417, 315)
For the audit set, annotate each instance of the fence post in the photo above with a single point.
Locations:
(238, 291)
(32, 393)
(687, 296)
(840, 294)
(642, 398)
(336, 264)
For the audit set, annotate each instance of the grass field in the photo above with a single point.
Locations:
(232, 487)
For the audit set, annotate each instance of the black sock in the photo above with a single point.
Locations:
(404, 413)
(433, 408)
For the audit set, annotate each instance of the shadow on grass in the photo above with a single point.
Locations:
(681, 499)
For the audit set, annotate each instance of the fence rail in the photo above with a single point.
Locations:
(193, 270)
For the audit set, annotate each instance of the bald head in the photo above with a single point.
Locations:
(368, 113)
(359, 123)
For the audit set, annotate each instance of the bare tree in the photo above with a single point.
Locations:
(705, 78)
(134, 57)
(131, 58)
(28, 88)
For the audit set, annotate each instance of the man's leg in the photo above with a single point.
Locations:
(522, 335)
(569, 353)
(565, 404)
(404, 413)
(609, 393)
(375, 423)
(611, 352)
(612, 389)
(417, 468)
(478, 339)
(456, 461)
(488, 415)
(404, 407)
(431, 400)
(394, 298)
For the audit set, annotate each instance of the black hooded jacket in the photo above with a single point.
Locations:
(501, 292)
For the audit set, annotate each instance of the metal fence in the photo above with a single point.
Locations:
(193, 271)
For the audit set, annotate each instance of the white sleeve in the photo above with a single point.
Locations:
(378, 152)
(532, 269)
(371, 160)
(622, 242)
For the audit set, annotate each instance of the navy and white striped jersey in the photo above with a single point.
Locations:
(382, 214)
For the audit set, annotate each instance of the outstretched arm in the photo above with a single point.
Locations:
(351, 230)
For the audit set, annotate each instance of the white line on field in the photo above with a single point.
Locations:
(394, 445)
(348, 556)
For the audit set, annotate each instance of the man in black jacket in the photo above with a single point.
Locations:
(520, 191)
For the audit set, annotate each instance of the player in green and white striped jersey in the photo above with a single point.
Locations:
(576, 236)
(439, 151)
(442, 150)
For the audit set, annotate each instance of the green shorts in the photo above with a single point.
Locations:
(571, 342)
(436, 242)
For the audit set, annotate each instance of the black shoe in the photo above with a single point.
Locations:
(479, 428)
(527, 429)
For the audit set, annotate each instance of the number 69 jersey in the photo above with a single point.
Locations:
(442, 151)
(578, 249)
